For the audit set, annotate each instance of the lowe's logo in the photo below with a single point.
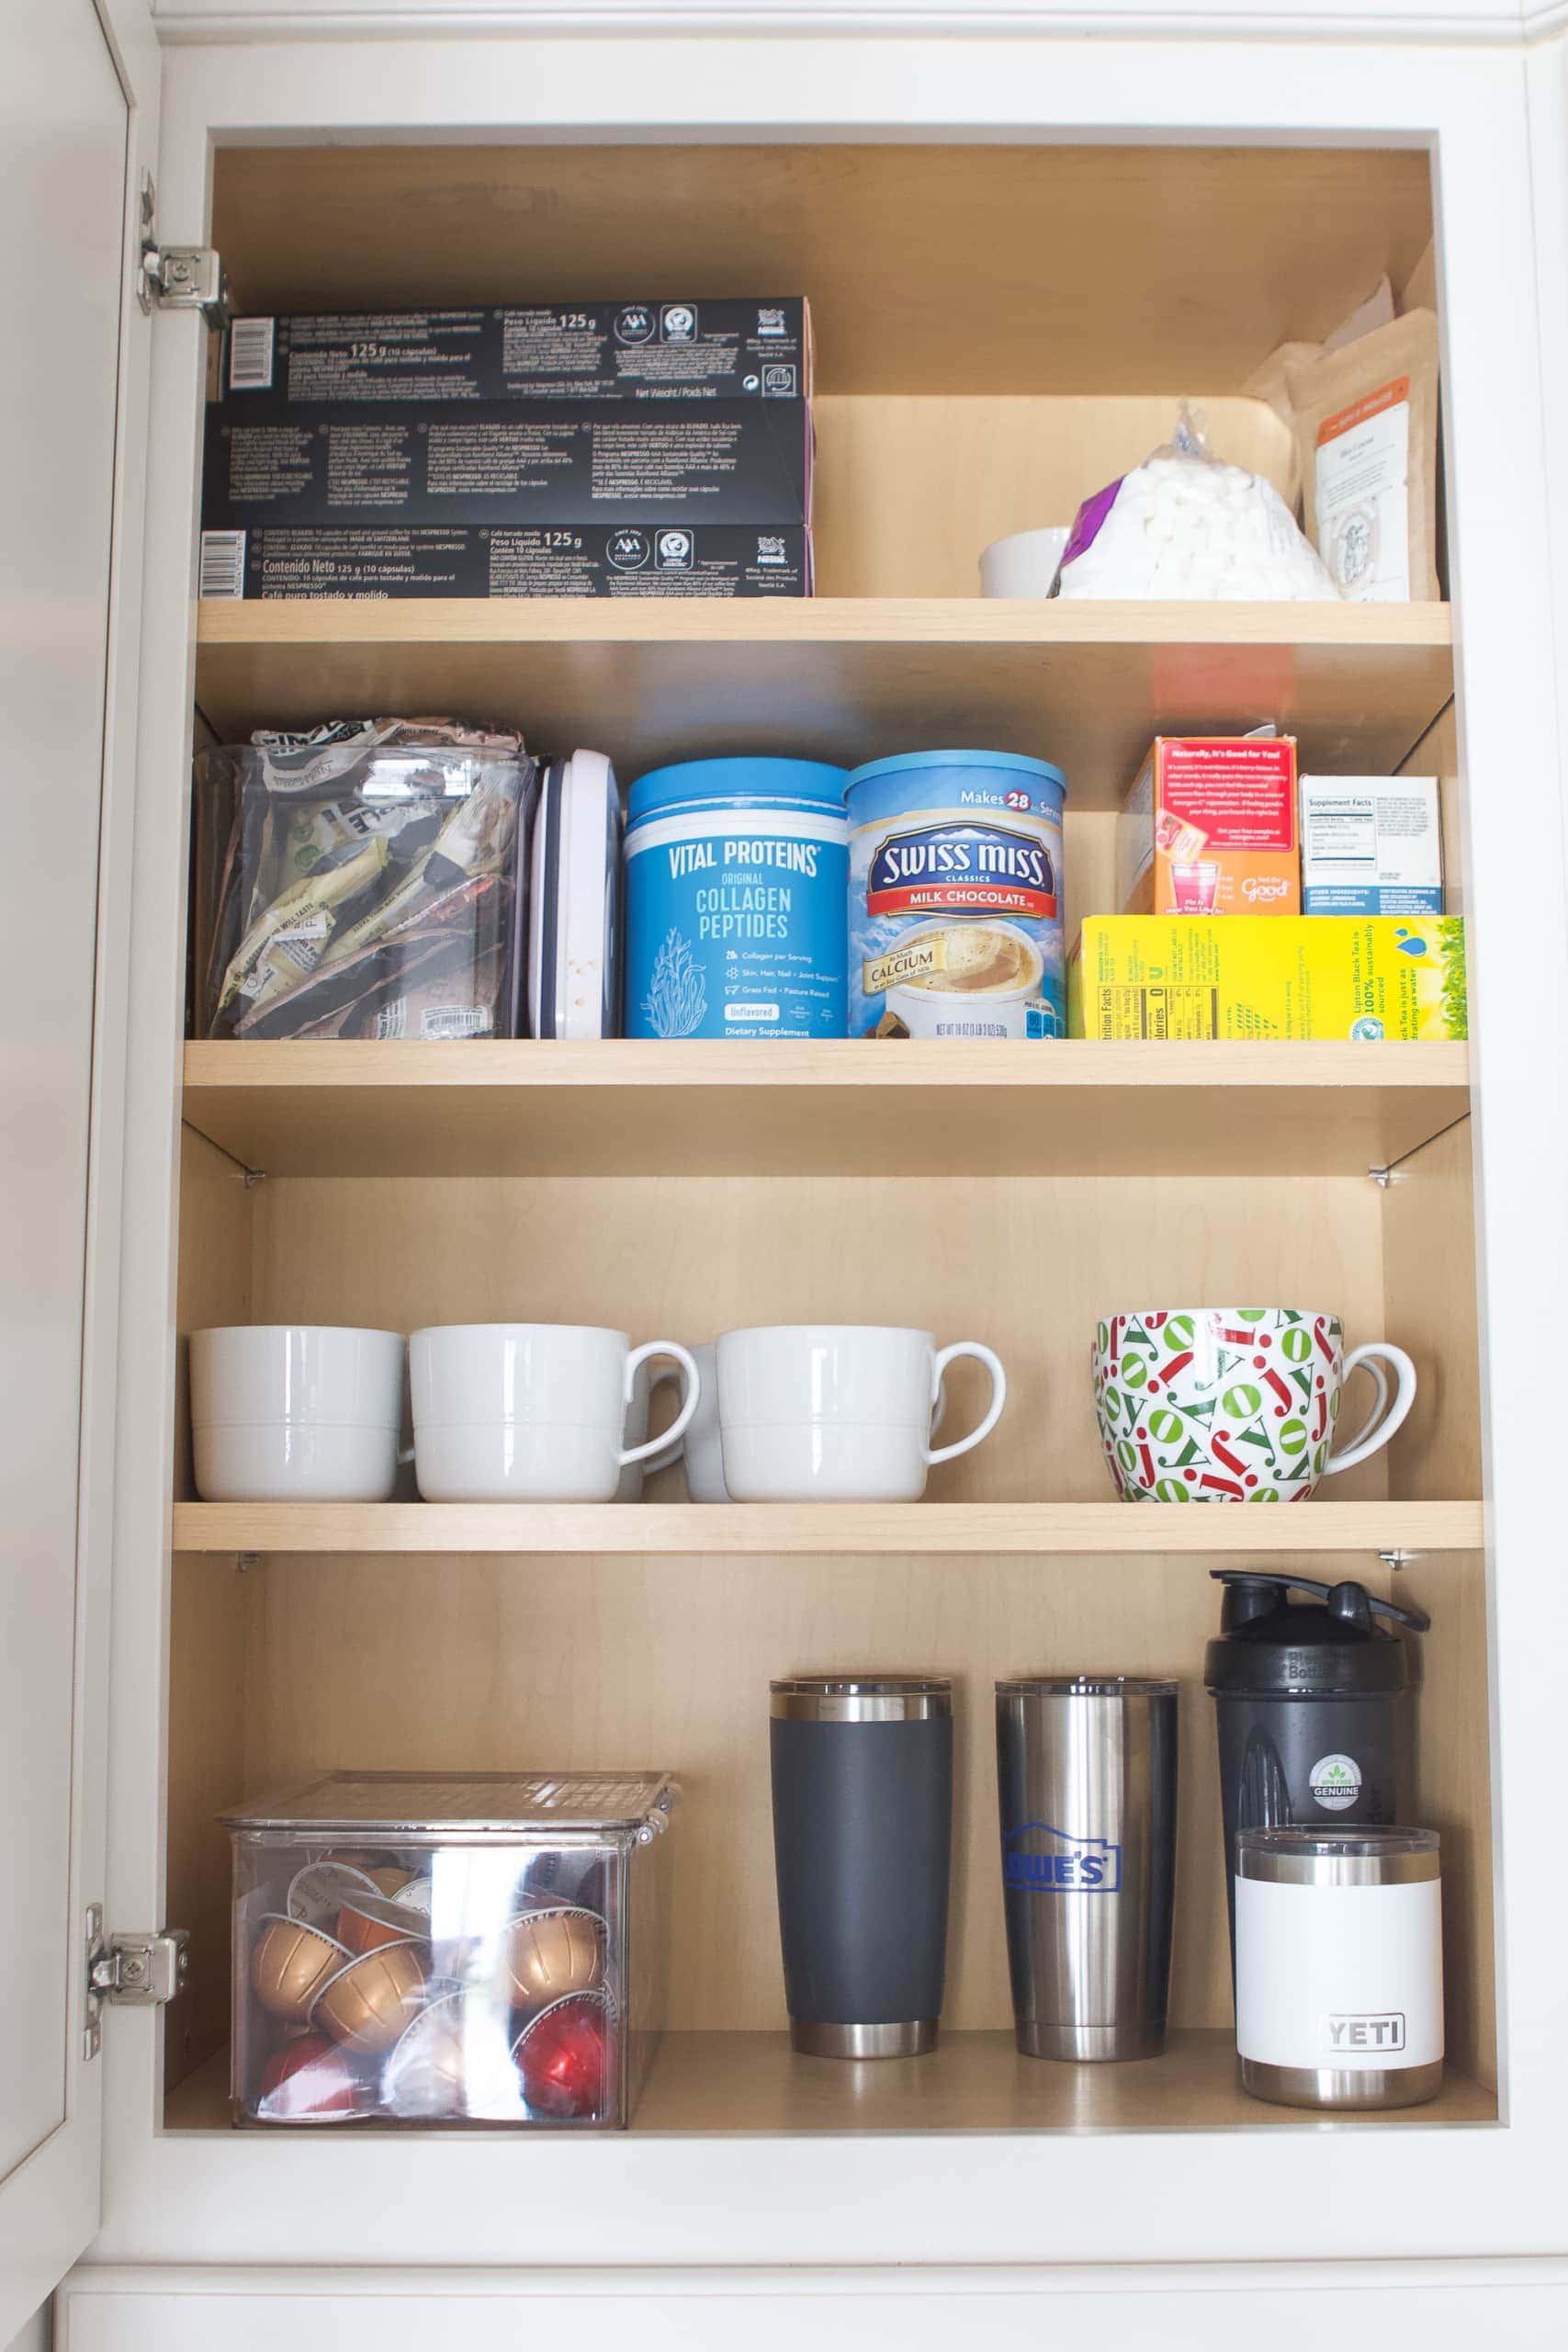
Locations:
(1044, 1861)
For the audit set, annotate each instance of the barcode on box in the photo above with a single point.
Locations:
(455, 1020)
(249, 355)
(222, 564)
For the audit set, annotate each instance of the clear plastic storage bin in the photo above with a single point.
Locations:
(367, 880)
(441, 1948)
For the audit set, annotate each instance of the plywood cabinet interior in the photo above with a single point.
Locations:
(1000, 329)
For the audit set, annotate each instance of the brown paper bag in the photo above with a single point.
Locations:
(1366, 422)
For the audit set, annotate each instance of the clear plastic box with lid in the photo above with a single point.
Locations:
(445, 1948)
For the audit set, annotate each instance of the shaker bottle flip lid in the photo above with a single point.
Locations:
(1271, 1647)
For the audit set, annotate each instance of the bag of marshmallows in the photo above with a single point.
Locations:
(1185, 525)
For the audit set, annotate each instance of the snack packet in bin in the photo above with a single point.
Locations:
(366, 879)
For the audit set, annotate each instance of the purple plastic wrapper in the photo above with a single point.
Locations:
(1087, 524)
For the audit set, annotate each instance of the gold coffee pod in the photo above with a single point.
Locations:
(553, 1952)
(290, 1964)
(388, 1877)
(366, 2005)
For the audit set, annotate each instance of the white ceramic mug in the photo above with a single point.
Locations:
(838, 1412)
(295, 1412)
(703, 1445)
(1025, 563)
(536, 1412)
(999, 1010)
(649, 1378)
(702, 1448)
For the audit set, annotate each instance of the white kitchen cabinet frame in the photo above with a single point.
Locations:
(1410, 2190)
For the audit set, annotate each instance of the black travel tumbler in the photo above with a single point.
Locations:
(862, 1836)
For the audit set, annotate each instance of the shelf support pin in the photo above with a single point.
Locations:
(254, 1176)
(246, 1561)
(1382, 1177)
(1396, 1560)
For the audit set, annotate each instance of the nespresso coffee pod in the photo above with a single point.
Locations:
(563, 2057)
(369, 1921)
(290, 1964)
(318, 1892)
(309, 2076)
(425, 2075)
(413, 1894)
(368, 2004)
(551, 1953)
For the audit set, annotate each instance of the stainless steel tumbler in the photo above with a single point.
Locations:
(862, 1820)
(1086, 1781)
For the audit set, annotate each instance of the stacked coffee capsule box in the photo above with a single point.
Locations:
(445, 1948)
(598, 448)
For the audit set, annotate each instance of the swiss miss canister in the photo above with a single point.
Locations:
(735, 873)
(955, 896)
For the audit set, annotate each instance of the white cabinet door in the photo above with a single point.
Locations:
(66, 122)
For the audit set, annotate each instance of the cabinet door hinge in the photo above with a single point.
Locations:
(179, 277)
(134, 1970)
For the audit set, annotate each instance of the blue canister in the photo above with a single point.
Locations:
(955, 896)
(736, 875)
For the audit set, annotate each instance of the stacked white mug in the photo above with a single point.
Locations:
(295, 1412)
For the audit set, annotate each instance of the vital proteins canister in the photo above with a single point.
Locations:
(955, 896)
(735, 900)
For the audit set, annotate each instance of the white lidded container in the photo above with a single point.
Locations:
(1338, 1966)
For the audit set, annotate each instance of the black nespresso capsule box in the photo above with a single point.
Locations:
(495, 462)
(595, 351)
(475, 559)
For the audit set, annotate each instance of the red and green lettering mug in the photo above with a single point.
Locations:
(1234, 1404)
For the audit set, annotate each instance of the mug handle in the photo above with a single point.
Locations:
(673, 1449)
(681, 1422)
(993, 1414)
(1380, 1424)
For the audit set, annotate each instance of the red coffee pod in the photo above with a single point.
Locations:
(563, 2057)
(309, 2076)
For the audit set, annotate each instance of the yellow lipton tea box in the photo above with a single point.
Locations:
(1276, 976)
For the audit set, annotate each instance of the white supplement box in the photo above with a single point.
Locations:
(1371, 845)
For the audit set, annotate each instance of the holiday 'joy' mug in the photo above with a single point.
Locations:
(838, 1412)
(1234, 1404)
(536, 1412)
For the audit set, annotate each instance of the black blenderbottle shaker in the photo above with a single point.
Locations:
(863, 1834)
(1312, 1705)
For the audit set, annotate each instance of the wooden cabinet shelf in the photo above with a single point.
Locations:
(851, 1107)
(741, 2082)
(769, 1529)
(1088, 684)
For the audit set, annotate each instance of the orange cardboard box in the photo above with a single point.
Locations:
(1210, 828)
